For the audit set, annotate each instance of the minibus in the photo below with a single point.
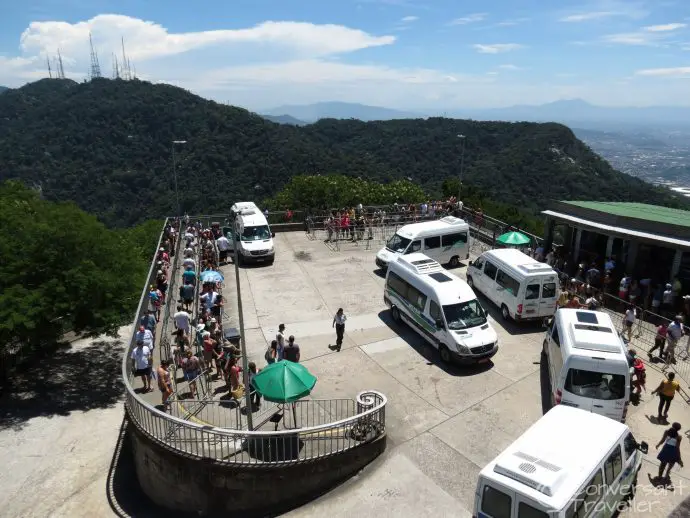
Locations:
(253, 235)
(441, 308)
(446, 240)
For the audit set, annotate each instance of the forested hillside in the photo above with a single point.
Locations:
(107, 146)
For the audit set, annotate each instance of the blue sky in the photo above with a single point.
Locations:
(428, 54)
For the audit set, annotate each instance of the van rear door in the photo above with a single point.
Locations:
(597, 385)
(548, 295)
(493, 500)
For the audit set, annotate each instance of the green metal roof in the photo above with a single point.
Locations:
(638, 210)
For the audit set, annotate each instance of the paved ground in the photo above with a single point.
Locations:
(444, 424)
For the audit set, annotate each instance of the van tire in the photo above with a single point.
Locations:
(444, 353)
(395, 313)
(505, 313)
(454, 262)
(544, 347)
(470, 282)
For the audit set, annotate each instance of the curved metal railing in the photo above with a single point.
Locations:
(243, 447)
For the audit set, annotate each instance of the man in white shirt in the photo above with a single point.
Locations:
(141, 364)
(223, 247)
(144, 336)
(182, 320)
(280, 338)
(673, 334)
(189, 263)
(339, 323)
(208, 299)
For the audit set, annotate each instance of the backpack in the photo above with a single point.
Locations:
(268, 356)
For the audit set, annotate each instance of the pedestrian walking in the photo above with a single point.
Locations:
(191, 366)
(629, 321)
(271, 352)
(164, 383)
(141, 364)
(667, 390)
(674, 333)
(291, 352)
(659, 341)
(280, 338)
(339, 320)
(670, 453)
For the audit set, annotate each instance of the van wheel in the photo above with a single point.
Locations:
(454, 261)
(470, 282)
(544, 347)
(504, 312)
(444, 353)
(395, 312)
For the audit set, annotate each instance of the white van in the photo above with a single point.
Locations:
(522, 287)
(587, 362)
(568, 464)
(442, 308)
(446, 240)
(253, 234)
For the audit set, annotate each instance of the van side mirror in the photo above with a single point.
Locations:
(643, 447)
(273, 234)
(470, 263)
(439, 323)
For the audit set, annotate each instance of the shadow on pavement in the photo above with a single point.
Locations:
(429, 353)
(70, 379)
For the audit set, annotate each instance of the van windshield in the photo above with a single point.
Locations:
(595, 385)
(397, 243)
(464, 315)
(256, 233)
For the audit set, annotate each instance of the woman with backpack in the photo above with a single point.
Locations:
(271, 354)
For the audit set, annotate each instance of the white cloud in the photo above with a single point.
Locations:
(665, 28)
(409, 19)
(665, 72)
(148, 40)
(496, 48)
(508, 67)
(585, 17)
(510, 23)
(470, 18)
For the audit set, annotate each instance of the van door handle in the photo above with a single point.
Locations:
(598, 406)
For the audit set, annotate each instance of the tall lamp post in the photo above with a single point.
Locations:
(177, 193)
(462, 164)
(240, 312)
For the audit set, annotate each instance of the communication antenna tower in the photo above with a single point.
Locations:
(50, 70)
(95, 66)
(126, 71)
(61, 69)
(116, 68)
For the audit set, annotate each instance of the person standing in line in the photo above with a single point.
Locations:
(339, 323)
(670, 453)
(291, 351)
(271, 352)
(141, 364)
(280, 338)
(667, 390)
(659, 341)
(182, 320)
(164, 383)
(674, 333)
(629, 321)
(255, 395)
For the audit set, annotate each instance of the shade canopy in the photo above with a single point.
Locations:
(513, 238)
(284, 382)
(211, 276)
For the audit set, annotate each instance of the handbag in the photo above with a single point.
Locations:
(238, 393)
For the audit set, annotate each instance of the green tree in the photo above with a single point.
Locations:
(62, 268)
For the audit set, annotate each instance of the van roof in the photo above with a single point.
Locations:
(243, 205)
(520, 261)
(556, 455)
(447, 224)
(252, 218)
(590, 331)
(448, 288)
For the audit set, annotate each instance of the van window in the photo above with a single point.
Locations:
(455, 240)
(555, 336)
(532, 291)
(496, 503)
(398, 285)
(432, 242)
(490, 270)
(527, 511)
(586, 501)
(464, 315)
(630, 445)
(416, 298)
(613, 466)
(595, 385)
(258, 233)
(434, 311)
(478, 263)
(416, 246)
(548, 290)
(406, 291)
(506, 281)
(397, 243)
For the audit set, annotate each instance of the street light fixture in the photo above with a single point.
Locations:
(177, 194)
(462, 164)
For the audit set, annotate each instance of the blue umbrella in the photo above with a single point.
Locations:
(211, 276)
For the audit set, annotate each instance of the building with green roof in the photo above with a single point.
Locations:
(647, 241)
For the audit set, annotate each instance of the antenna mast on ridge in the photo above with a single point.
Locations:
(60, 68)
(116, 67)
(95, 66)
(126, 70)
(50, 71)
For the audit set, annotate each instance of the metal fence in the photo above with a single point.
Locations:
(310, 429)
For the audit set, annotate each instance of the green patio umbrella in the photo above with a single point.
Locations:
(513, 238)
(284, 382)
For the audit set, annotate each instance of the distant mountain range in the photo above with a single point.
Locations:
(285, 119)
(575, 112)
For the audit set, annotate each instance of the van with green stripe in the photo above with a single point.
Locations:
(441, 308)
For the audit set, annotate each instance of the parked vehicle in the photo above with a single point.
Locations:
(445, 240)
(587, 362)
(522, 287)
(441, 308)
(568, 464)
(253, 234)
